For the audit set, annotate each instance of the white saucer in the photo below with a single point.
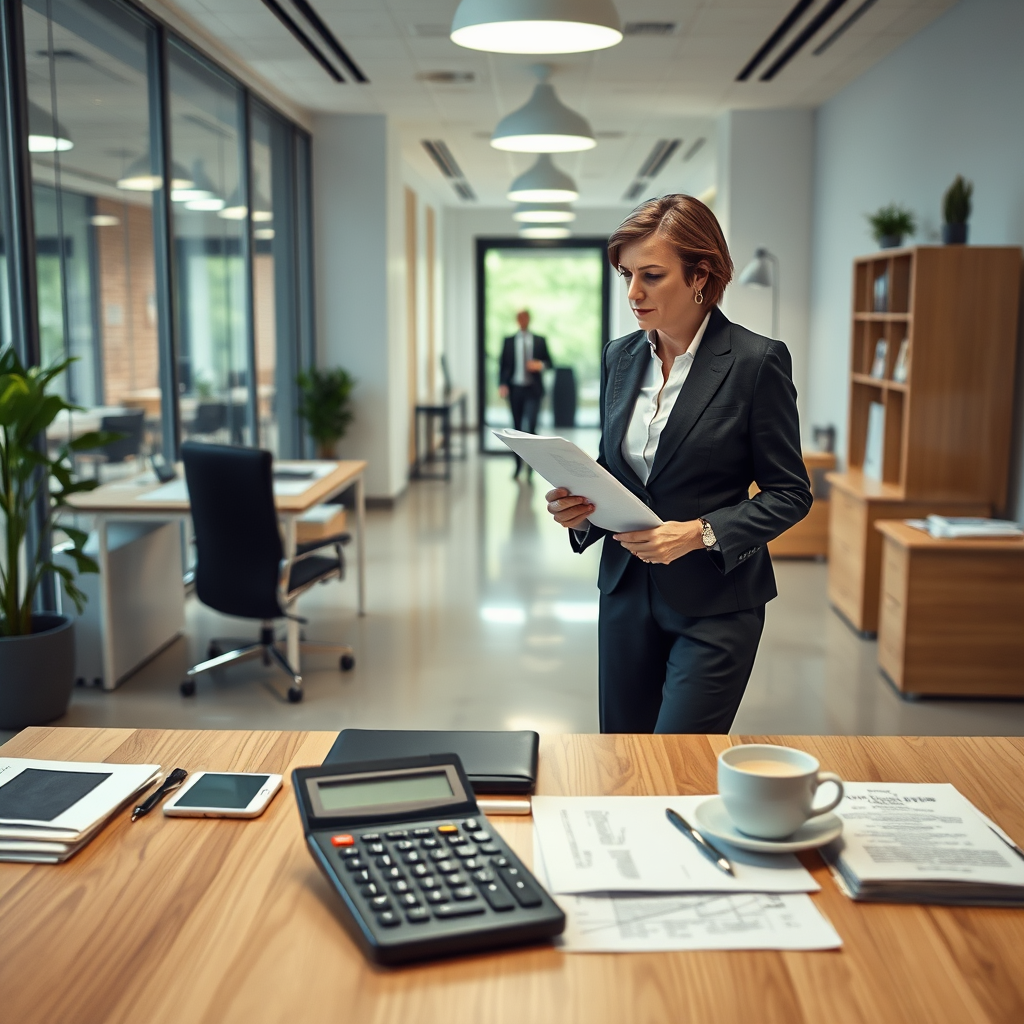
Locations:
(713, 821)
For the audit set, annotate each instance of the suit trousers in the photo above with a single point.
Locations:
(525, 404)
(664, 672)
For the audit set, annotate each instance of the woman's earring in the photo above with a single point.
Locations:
(699, 297)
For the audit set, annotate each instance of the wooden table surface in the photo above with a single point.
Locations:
(217, 921)
(122, 496)
(911, 537)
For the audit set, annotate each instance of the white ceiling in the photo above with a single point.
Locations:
(644, 89)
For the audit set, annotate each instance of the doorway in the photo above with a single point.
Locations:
(566, 286)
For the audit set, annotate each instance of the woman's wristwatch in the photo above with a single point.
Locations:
(707, 534)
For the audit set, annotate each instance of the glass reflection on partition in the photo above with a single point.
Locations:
(94, 186)
(210, 225)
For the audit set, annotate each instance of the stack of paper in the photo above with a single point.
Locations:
(628, 880)
(952, 527)
(922, 843)
(49, 810)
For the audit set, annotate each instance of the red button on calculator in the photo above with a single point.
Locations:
(342, 840)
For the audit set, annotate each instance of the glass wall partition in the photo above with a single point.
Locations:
(94, 188)
(211, 250)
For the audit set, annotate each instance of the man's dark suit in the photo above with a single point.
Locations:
(524, 399)
(734, 422)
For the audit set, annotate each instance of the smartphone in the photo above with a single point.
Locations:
(223, 795)
(165, 471)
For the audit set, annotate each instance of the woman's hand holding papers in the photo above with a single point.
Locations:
(664, 543)
(569, 510)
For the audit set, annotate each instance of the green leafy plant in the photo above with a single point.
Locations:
(891, 220)
(956, 204)
(325, 404)
(27, 471)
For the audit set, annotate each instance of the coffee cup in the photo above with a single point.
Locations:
(769, 791)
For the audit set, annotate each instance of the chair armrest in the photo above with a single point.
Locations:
(324, 542)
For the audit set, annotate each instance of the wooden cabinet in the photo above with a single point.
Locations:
(934, 437)
(855, 546)
(952, 615)
(809, 538)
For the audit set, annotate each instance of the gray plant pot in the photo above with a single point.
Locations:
(890, 241)
(954, 234)
(37, 672)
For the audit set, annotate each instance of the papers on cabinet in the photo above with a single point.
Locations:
(563, 464)
(922, 843)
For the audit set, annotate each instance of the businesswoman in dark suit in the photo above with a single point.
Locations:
(695, 408)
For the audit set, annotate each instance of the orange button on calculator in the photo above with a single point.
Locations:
(447, 828)
(342, 840)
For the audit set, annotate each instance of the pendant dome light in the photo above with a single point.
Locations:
(544, 213)
(543, 231)
(536, 26)
(140, 177)
(543, 183)
(45, 133)
(544, 124)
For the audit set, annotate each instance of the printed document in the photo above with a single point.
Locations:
(667, 922)
(922, 843)
(562, 464)
(625, 844)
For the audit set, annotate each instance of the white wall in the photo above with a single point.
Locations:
(462, 226)
(360, 285)
(765, 168)
(949, 101)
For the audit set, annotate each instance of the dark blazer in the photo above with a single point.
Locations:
(733, 423)
(507, 367)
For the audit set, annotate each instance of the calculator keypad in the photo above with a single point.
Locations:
(449, 871)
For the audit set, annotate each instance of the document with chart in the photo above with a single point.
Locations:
(563, 464)
(625, 844)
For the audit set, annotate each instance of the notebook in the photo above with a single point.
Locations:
(495, 762)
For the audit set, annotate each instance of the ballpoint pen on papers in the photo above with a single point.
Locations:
(718, 859)
(173, 781)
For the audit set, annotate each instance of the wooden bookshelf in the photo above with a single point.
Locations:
(945, 442)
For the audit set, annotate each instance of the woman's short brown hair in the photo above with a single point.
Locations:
(690, 228)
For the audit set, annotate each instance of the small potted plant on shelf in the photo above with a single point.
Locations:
(37, 649)
(890, 223)
(325, 403)
(956, 211)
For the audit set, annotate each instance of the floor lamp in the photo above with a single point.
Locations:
(763, 271)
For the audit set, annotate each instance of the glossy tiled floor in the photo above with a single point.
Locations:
(479, 616)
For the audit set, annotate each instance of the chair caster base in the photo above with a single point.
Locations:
(347, 663)
(188, 688)
(294, 695)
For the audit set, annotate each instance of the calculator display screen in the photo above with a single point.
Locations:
(347, 795)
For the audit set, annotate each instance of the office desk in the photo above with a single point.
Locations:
(217, 921)
(122, 501)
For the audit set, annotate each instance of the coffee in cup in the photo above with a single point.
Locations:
(769, 791)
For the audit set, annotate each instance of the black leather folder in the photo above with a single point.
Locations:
(495, 762)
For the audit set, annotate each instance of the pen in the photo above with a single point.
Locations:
(713, 855)
(173, 781)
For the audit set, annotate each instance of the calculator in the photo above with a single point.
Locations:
(419, 871)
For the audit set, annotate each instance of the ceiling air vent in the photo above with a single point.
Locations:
(652, 166)
(446, 77)
(648, 28)
(694, 150)
(439, 152)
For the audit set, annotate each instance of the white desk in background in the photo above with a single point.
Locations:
(144, 497)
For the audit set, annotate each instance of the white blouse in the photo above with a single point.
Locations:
(655, 402)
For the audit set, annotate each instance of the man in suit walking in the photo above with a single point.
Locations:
(523, 359)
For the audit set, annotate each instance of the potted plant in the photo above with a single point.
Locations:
(325, 404)
(956, 211)
(890, 223)
(37, 650)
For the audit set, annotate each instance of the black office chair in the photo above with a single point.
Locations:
(211, 417)
(130, 425)
(240, 565)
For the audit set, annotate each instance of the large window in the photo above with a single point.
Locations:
(170, 237)
(94, 186)
(211, 221)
